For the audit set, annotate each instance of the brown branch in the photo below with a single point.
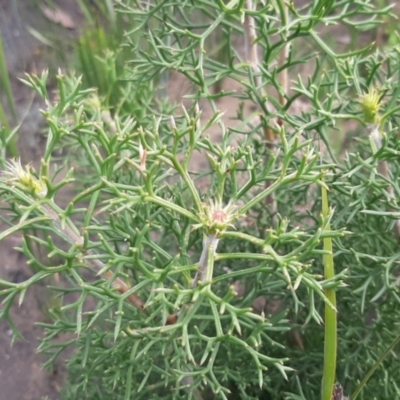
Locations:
(269, 135)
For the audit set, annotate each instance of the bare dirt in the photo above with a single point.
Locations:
(21, 374)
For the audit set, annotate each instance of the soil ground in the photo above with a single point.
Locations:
(21, 374)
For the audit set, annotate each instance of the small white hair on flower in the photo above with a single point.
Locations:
(216, 218)
(16, 174)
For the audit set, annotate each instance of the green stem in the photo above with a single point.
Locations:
(330, 349)
(374, 367)
(189, 182)
(171, 206)
(266, 192)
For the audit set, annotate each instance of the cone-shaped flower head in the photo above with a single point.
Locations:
(371, 104)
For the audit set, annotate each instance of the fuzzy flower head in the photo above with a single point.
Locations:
(216, 219)
(16, 174)
(371, 104)
(93, 102)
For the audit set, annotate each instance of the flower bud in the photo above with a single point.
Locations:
(371, 104)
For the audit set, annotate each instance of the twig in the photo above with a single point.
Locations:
(204, 273)
(283, 56)
(210, 243)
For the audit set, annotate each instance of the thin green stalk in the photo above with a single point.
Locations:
(266, 192)
(375, 367)
(191, 186)
(330, 349)
(171, 206)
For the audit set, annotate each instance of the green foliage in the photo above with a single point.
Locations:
(165, 266)
(101, 63)
(102, 57)
(7, 134)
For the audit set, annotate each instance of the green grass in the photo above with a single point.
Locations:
(7, 136)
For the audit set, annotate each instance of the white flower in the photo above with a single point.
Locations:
(16, 174)
(216, 218)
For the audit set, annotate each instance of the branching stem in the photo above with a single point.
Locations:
(69, 234)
